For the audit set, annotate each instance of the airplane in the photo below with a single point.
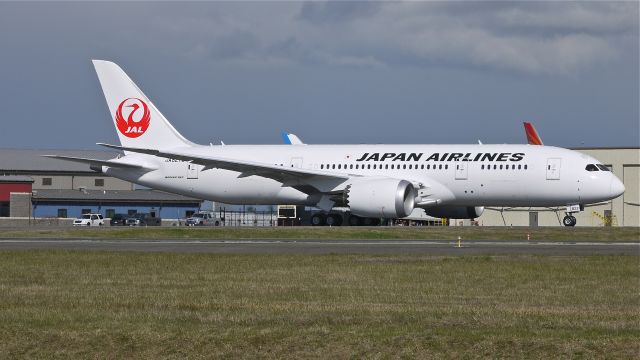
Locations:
(530, 131)
(291, 139)
(373, 181)
(532, 135)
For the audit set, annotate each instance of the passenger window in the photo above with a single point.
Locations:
(440, 166)
(519, 167)
(422, 167)
(351, 166)
(525, 167)
(500, 166)
(321, 166)
(591, 167)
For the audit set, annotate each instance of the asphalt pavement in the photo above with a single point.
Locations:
(434, 247)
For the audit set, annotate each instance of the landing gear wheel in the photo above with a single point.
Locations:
(569, 220)
(355, 220)
(370, 221)
(317, 220)
(334, 220)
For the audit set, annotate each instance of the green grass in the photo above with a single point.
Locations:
(431, 233)
(161, 305)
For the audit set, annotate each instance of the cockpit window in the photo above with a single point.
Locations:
(591, 167)
(602, 167)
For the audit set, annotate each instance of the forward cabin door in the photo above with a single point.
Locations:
(192, 171)
(553, 168)
(461, 171)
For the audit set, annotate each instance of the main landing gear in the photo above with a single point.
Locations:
(569, 220)
(336, 219)
(326, 219)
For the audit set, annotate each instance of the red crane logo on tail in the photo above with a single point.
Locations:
(137, 122)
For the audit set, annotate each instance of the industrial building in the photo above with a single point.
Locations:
(34, 186)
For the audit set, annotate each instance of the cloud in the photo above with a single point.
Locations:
(332, 12)
(529, 37)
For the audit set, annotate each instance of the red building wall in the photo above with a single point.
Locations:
(8, 188)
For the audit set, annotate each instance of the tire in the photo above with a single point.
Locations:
(355, 220)
(317, 220)
(370, 221)
(88, 224)
(569, 221)
(334, 220)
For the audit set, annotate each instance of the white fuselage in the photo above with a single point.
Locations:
(468, 175)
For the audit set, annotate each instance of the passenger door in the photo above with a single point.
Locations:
(192, 171)
(461, 171)
(553, 168)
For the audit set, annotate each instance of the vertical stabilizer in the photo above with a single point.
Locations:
(532, 135)
(138, 122)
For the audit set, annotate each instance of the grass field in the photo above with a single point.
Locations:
(344, 233)
(160, 305)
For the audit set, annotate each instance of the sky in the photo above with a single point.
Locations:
(331, 72)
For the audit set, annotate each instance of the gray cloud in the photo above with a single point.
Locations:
(410, 72)
(331, 12)
(558, 38)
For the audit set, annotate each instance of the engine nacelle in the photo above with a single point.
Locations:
(382, 198)
(455, 212)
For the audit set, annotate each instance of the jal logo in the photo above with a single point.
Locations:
(133, 117)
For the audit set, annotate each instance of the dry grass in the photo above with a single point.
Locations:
(344, 233)
(146, 305)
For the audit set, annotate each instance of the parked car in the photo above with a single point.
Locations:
(203, 218)
(142, 219)
(89, 220)
(119, 220)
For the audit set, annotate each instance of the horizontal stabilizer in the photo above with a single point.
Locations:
(96, 162)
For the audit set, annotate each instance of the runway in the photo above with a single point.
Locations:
(330, 246)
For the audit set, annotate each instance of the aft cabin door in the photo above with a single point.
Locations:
(192, 171)
(461, 171)
(553, 168)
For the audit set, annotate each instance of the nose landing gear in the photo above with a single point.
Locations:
(569, 220)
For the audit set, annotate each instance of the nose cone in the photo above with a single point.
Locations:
(617, 187)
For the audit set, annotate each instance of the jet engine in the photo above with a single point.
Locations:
(455, 212)
(382, 198)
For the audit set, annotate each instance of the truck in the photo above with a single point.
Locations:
(203, 218)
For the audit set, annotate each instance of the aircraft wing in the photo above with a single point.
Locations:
(305, 180)
(97, 162)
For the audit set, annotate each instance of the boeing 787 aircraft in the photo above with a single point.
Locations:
(372, 181)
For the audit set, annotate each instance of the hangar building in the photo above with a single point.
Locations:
(31, 185)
